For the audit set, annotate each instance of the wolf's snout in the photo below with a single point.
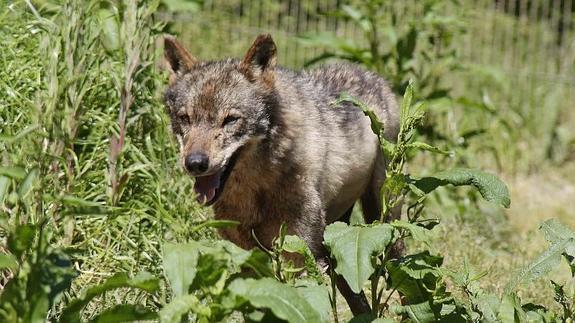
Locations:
(197, 163)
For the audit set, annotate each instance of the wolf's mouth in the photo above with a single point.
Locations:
(210, 187)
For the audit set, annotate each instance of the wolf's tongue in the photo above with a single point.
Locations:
(206, 186)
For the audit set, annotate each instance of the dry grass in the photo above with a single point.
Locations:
(501, 242)
(542, 196)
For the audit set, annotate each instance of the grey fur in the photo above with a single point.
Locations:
(301, 160)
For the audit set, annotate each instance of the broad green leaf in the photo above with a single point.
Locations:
(143, 281)
(510, 310)
(13, 172)
(415, 276)
(27, 184)
(216, 261)
(152, 7)
(488, 305)
(110, 29)
(39, 308)
(42, 278)
(317, 295)
(8, 261)
(370, 318)
(207, 266)
(420, 313)
(357, 16)
(417, 114)
(418, 233)
(554, 231)
(428, 147)
(283, 300)
(4, 183)
(125, 313)
(546, 262)
(295, 244)
(254, 259)
(55, 271)
(213, 270)
(180, 266)
(258, 316)
(537, 313)
(21, 239)
(406, 104)
(490, 187)
(570, 256)
(507, 310)
(353, 247)
(562, 298)
(20, 135)
(181, 305)
(418, 265)
(13, 302)
(376, 124)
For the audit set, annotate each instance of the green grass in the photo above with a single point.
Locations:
(66, 87)
(67, 76)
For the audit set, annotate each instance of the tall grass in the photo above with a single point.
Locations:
(81, 118)
(80, 106)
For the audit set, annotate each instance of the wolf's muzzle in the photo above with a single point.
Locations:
(197, 163)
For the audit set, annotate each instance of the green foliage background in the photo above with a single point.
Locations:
(88, 165)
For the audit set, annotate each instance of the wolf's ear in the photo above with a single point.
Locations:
(260, 59)
(177, 57)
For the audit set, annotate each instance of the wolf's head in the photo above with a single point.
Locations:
(217, 109)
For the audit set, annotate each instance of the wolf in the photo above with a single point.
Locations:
(268, 145)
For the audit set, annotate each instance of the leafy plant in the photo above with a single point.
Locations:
(483, 305)
(118, 313)
(40, 275)
(206, 280)
(363, 252)
(67, 67)
(420, 48)
(97, 225)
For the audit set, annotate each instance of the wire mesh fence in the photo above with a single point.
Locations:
(532, 39)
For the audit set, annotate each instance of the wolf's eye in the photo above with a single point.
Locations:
(230, 120)
(183, 118)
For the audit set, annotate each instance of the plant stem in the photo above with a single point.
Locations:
(333, 297)
(374, 300)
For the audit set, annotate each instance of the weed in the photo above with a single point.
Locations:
(98, 223)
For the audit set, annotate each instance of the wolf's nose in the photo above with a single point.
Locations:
(197, 163)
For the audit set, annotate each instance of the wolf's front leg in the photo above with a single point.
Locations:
(312, 232)
(357, 302)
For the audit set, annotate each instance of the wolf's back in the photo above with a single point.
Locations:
(334, 144)
(364, 85)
